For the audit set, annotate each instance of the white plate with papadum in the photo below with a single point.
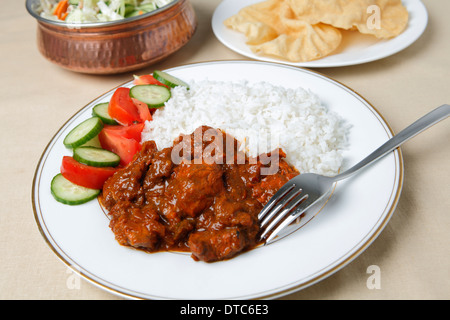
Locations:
(313, 34)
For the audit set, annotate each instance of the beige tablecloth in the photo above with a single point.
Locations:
(412, 253)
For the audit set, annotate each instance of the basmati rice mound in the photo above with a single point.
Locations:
(259, 115)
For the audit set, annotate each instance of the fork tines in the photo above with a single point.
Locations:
(281, 209)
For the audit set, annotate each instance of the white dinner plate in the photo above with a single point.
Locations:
(355, 48)
(357, 212)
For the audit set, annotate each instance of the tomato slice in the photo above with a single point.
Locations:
(144, 111)
(147, 79)
(122, 108)
(116, 140)
(129, 132)
(84, 175)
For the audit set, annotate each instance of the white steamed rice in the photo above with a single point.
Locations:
(261, 114)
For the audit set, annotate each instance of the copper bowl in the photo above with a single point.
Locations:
(116, 46)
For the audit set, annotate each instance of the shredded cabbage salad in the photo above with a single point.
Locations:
(85, 11)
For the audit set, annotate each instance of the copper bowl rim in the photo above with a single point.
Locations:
(31, 8)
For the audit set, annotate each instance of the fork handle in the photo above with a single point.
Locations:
(411, 131)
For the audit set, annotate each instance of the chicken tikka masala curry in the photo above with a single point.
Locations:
(207, 203)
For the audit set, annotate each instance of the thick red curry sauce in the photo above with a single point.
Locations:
(206, 202)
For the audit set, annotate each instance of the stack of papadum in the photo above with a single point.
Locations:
(305, 30)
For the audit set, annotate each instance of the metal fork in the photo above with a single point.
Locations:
(307, 190)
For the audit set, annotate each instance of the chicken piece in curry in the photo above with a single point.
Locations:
(199, 197)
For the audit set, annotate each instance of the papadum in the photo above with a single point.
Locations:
(305, 30)
(271, 28)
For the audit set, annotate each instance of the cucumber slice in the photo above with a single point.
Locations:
(69, 193)
(168, 79)
(94, 142)
(83, 132)
(153, 95)
(101, 110)
(96, 157)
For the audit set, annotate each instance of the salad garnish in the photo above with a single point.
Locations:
(109, 140)
(87, 11)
